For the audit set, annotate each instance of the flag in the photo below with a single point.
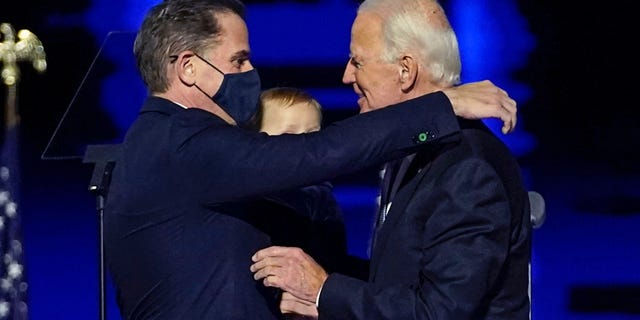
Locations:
(13, 284)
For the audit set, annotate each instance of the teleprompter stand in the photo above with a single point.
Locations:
(104, 158)
(95, 122)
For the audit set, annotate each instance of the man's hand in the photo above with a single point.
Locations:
(289, 269)
(297, 309)
(483, 99)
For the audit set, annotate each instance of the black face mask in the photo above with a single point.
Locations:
(238, 95)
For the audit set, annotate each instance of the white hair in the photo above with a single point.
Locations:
(420, 27)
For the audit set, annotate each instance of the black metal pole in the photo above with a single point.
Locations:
(102, 289)
(104, 158)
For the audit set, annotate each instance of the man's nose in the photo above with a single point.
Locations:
(347, 76)
(248, 66)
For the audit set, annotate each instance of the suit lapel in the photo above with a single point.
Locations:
(393, 177)
(433, 161)
(400, 174)
(386, 187)
(400, 201)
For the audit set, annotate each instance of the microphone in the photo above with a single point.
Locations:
(538, 211)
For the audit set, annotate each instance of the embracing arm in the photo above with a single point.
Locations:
(464, 244)
(230, 163)
(261, 164)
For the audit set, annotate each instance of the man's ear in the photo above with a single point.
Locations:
(408, 72)
(185, 69)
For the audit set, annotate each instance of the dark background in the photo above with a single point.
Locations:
(582, 112)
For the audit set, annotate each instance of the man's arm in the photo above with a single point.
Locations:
(344, 147)
(230, 163)
(453, 287)
(465, 242)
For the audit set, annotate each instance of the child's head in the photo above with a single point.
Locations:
(288, 110)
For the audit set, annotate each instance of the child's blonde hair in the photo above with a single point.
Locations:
(282, 97)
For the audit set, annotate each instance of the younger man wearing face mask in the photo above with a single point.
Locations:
(178, 235)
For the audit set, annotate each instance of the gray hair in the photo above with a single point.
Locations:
(174, 26)
(420, 27)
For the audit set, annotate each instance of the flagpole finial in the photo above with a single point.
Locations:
(27, 48)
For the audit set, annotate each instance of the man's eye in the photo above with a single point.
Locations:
(355, 63)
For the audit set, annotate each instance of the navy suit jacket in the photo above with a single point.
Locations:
(455, 244)
(178, 234)
(308, 218)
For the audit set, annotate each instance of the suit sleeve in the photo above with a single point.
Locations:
(231, 163)
(464, 246)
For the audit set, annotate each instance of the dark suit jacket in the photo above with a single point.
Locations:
(308, 218)
(455, 244)
(311, 219)
(178, 235)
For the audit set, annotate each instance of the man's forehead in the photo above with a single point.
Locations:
(232, 27)
(366, 33)
(367, 25)
(233, 40)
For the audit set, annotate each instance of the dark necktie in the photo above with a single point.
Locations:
(392, 181)
(394, 172)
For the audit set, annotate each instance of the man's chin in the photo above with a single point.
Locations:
(364, 106)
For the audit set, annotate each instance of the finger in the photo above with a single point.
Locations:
(276, 252)
(506, 127)
(265, 272)
(290, 297)
(515, 117)
(261, 264)
(267, 261)
(507, 122)
(508, 118)
(266, 252)
(300, 307)
(296, 307)
(510, 126)
(260, 273)
(272, 281)
(256, 266)
(510, 104)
